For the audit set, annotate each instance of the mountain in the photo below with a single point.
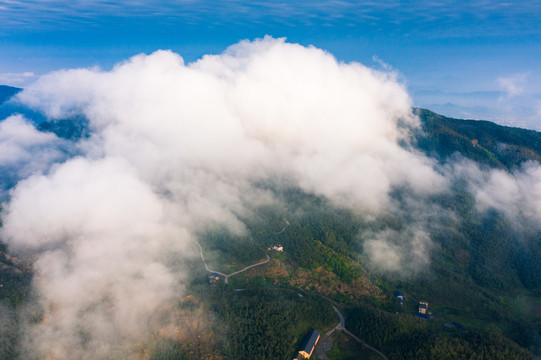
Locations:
(481, 279)
(7, 91)
(8, 108)
(482, 283)
(481, 141)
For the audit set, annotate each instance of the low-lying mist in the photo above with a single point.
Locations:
(174, 148)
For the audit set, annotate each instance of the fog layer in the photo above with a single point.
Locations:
(175, 147)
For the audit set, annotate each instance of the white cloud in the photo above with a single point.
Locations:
(101, 234)
(384, 254)
(24, 150)
(516, 194)
(177, 146)
(20, 140)
(16, 79)
(512, 85)
(276, 107)
(402, 253)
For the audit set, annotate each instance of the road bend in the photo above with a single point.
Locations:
(227, 276)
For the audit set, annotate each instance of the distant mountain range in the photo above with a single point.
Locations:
(7, 91)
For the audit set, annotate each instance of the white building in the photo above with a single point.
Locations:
(278, 248)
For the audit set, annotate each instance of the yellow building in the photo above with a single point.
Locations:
(308, 345)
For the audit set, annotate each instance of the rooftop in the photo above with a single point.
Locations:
(309, 341)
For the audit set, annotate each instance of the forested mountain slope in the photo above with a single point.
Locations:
(480, 267)
(481, 141)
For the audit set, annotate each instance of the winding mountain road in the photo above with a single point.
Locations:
(341, 324)
(227, 276)
(365, 344)
(247, 268)
(204, 262)
(284, 228)
(342, 327)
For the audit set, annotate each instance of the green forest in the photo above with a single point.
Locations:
(408, 337)
(483, 271)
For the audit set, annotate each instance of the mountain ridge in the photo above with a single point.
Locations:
(481, 274)
(480, 140)
(7, 91)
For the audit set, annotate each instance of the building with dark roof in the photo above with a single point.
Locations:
(423, 310)
(309, 344)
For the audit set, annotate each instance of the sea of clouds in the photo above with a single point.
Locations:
(174, 147)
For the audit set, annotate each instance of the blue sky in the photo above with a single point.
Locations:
(466, 59)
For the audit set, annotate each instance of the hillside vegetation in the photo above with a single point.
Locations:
(482, 274)
(481, 141)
